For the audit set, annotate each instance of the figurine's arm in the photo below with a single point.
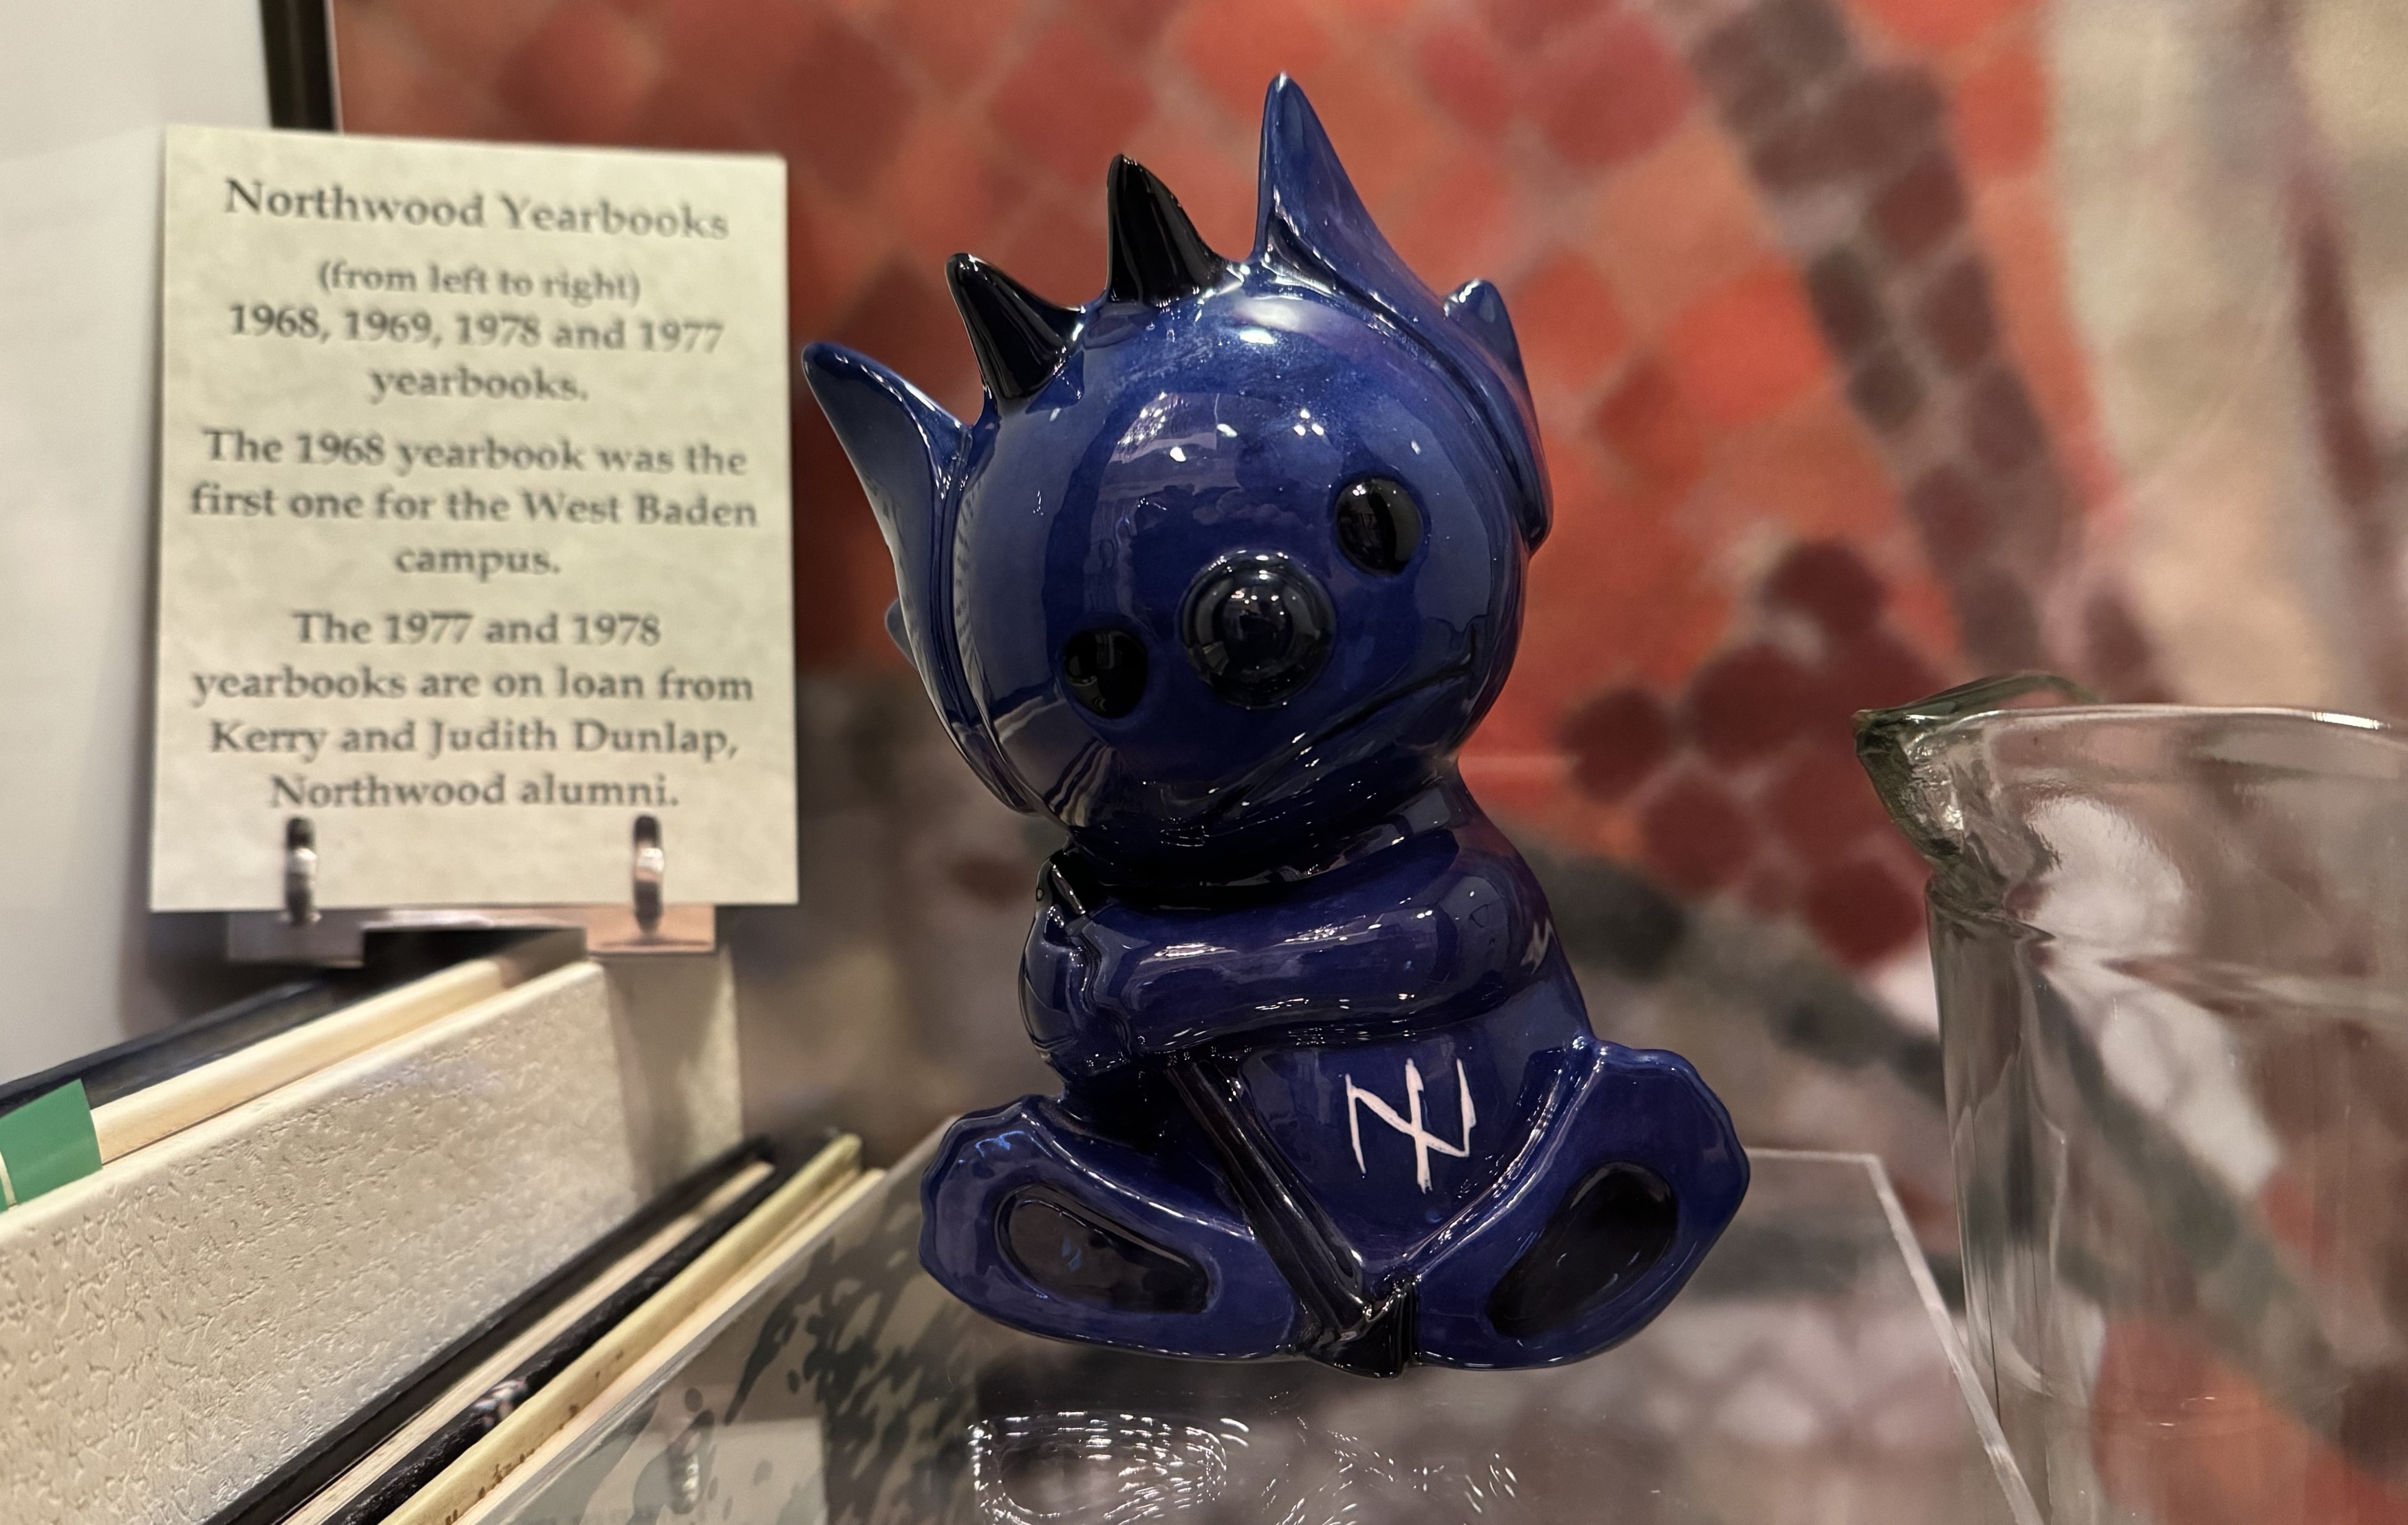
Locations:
(1057, 987)
(1449, 921)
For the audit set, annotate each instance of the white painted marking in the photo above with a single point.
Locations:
(1410, 1123)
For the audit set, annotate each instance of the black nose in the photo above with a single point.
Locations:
(1258, 628)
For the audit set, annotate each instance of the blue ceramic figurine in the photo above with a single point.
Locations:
(1224, 572)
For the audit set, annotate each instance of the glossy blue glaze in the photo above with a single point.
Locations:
(1221, 577)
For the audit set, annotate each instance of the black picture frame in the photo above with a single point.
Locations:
(299, 36)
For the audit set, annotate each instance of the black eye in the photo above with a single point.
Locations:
(1257, 629)
(1378, 525)
(1106, 670)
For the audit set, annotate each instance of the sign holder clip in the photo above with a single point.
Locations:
(305, 931)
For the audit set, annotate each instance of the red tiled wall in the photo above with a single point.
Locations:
(1785, 272)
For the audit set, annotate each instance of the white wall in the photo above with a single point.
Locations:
(84, 86)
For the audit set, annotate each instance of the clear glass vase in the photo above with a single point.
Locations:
(2171, 948)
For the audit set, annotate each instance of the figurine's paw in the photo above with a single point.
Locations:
(1625, 1193)
(1035, 1219)
(1057, 999)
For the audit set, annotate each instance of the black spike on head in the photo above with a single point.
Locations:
(1018, 336)
(1157, 253)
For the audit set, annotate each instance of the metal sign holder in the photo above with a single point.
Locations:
(303, 933)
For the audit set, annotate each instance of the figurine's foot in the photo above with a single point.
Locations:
(1036, 1220)
(1638, 1177)
(1612, 1230)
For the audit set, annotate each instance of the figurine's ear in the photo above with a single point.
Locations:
(906, 449)
(902, 446)
(1478, 308)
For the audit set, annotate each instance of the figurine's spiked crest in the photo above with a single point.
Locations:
(1018, 336)
(1308, 218)
(1311, 225)
(1157, 256)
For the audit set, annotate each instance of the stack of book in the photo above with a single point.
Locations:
(353, 1249)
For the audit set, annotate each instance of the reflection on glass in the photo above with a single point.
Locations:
(1094, 1469)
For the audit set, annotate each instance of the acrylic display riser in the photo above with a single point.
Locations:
(1809, 1375)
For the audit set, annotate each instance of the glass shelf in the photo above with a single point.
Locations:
(1808, 1376)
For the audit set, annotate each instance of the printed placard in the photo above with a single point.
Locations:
(474, 522)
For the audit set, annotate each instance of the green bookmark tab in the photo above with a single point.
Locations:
(47, 1143)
